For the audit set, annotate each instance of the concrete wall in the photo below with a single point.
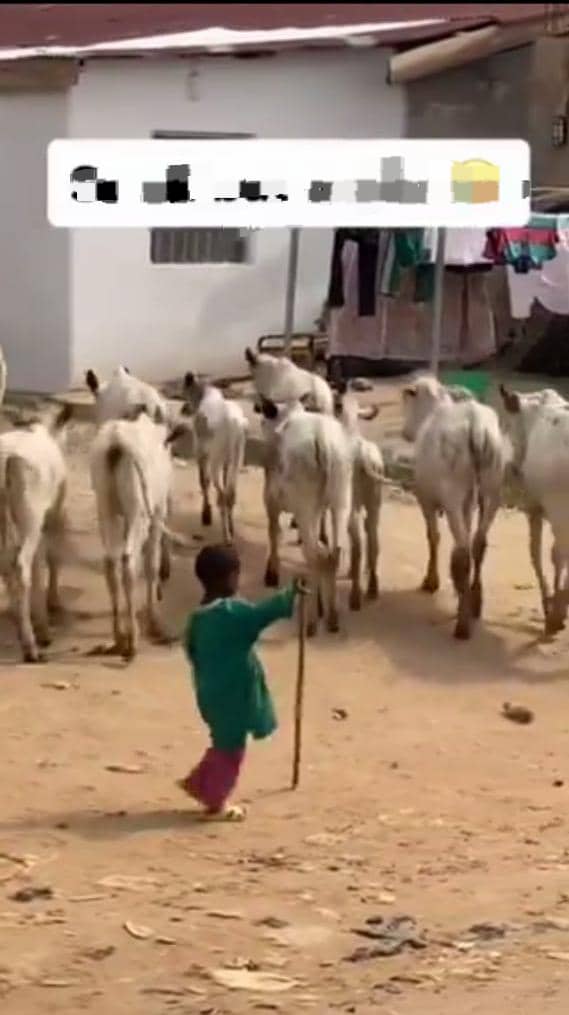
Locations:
(34, 257)
(161, 320)
(549, 95)
(489, 98)
(514, 94)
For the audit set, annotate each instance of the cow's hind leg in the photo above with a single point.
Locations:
(23, 585)
(355, 561)
(38, 601)
(489, 504)
(460, 567)
(431, 580)
(112, 580)
(273, 512)
(204, 474)
(372, 540)
(152, 553)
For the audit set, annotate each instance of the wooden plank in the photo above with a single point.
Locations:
(41, 75)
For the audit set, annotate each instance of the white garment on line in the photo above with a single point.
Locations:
(549, 284)
(463, 246)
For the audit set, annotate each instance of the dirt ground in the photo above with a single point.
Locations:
(417, 798)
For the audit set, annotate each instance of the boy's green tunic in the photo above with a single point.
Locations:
(232, 694)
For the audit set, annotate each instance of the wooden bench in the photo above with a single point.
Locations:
(307, 348)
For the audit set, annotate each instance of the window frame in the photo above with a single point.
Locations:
(185, 236)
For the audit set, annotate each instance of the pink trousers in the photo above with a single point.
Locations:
(215, 778)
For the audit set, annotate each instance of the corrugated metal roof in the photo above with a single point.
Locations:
(87, 25)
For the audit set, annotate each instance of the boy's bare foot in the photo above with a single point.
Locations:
(233, 813)
(227, 814)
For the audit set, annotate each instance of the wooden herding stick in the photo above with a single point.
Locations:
(298, 707)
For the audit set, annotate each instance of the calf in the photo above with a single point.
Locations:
(367, 483)
(459, 461)
(279, 380)
(121, 396)
(32, 524)
(131, 470)
(308, 471)
(220, 428)
(538, 423)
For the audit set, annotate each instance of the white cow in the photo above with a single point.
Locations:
(538, 424)
(308, 472)
(131, 470)
(460, 458)
(279, 380)
(220, 428)
(118, 398)
(368, 475)
(122, 394)
(32, 524)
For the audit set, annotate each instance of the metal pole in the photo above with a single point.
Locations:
(291, 289)
(438, 302)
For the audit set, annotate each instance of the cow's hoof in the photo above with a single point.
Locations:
(430, 585)
(43, 639)
(271, 578)
(32, 656)
(333, 624)
(206, 515)
(355, 601)
(462, 631)
(554, 624)
(56, 613)
(372, 589)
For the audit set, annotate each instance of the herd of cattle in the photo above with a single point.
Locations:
(318, 468)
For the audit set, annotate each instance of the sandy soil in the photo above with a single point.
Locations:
(417, 798)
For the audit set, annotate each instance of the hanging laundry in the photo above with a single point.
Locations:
(465, 247)
(408, 253)
(549, 286)
(367, 241)
(523, 249)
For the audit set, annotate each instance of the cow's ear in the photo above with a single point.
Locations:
(511, 400)
(369, 413)
(269, 409)
(92, 381)
(158, 416)
(250, 356)
(63, 416)
(180, 430)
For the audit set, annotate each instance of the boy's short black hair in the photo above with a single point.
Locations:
(215, 563)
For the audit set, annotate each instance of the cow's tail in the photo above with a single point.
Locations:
(115, 455)
(12, 493)
(486, 452)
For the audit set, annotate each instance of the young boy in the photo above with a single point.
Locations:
(232, 695)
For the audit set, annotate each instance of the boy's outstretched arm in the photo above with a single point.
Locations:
(254, 617)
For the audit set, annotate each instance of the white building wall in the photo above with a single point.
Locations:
(163, 319)
(34, 258)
